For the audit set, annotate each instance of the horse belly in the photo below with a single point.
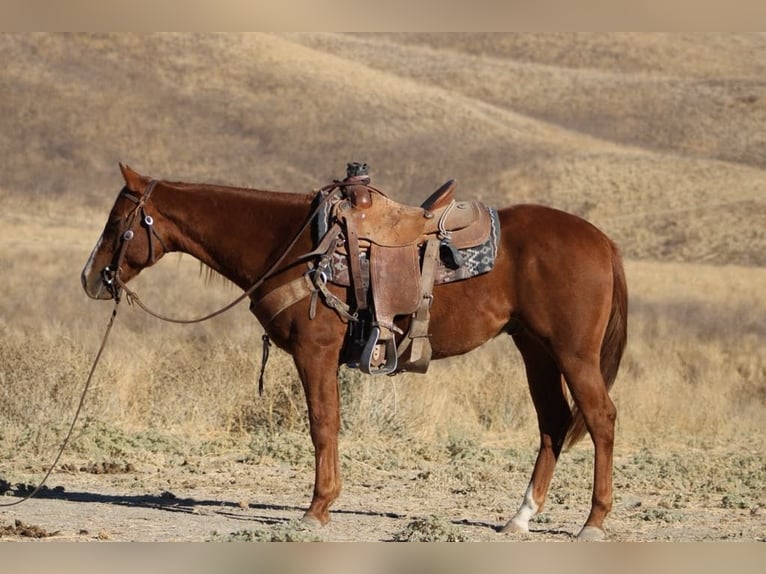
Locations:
(466, 314)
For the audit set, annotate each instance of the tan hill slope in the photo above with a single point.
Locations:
(658, 139)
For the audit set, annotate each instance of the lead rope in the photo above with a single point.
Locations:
(39, 487)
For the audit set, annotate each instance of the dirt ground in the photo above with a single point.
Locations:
(445, 495)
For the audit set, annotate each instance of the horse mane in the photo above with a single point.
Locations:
(210, 275)
(206, 273)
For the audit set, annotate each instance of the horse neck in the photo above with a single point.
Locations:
(234, 231)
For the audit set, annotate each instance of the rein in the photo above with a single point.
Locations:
(39, 487)
(109, 276)
(113, 279)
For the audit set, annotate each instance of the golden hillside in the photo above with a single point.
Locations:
(657, 138)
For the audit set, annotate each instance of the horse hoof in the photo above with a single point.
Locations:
(591, 534)
(311, 522)
(515, 527)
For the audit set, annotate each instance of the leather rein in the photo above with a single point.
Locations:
(114, 283)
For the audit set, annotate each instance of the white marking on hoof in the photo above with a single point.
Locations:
(520, 522)
(591, 534)
(516, 526)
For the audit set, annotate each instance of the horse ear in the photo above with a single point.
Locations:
(134, 180)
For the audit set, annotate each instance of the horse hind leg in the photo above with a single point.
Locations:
(586, 384)
(554, 417)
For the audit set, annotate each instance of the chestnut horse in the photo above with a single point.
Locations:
(557, 287)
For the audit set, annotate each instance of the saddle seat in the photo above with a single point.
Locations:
(384, 222)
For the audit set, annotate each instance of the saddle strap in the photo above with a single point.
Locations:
(355, 263)
(279, 299)
(416, 340)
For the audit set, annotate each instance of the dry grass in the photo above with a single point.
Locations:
(693, 372)
(695, 366)
(658, 139)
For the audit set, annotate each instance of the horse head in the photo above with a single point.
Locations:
(129, 241)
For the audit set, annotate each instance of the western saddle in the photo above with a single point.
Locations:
(390, 256)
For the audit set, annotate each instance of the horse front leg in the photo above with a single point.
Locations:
(317, 366)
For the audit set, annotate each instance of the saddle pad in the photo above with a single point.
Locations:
(476, 260)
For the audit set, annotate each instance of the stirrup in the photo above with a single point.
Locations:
(369, 348)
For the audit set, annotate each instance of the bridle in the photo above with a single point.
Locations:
(110, 274)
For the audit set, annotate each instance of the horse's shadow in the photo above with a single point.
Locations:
(170, 503)
(167, 502)
(499, 527)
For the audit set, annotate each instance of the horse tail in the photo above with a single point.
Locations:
(613, 344)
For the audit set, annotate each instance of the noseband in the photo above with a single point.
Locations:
(109, 273)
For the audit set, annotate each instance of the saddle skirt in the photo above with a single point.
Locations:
(477, 249)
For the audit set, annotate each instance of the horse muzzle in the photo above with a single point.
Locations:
(100, 285)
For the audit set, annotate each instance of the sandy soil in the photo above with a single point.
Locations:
(234, 497)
